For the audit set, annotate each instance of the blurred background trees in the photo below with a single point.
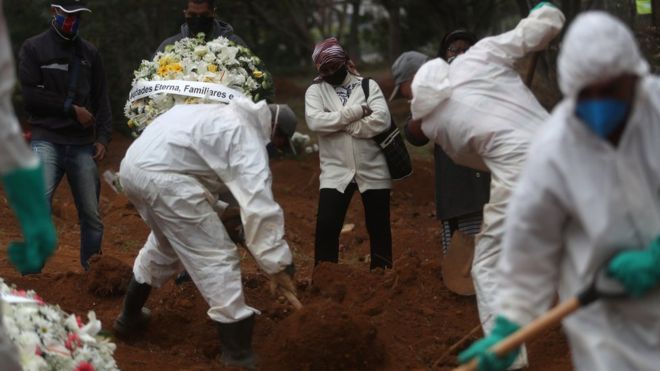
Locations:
(283, 32)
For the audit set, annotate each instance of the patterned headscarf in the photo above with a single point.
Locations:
(330, 54)
(329, 51)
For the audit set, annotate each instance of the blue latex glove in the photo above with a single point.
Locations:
(541, 4)
(637, 270)
(26, 194)
(488, 361)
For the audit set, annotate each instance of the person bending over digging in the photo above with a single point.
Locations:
(171, 174)
(482, 114)
(589, 192)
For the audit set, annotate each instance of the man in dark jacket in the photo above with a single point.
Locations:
(200, 17)
(65, 93)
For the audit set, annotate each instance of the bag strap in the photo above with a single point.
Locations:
(365, 88)
(74, 73)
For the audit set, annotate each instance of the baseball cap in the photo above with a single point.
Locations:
(71, 6)
(404, 69)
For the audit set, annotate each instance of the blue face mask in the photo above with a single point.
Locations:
(602, 116)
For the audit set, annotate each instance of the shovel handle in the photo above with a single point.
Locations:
(529, 332)
(292, 298)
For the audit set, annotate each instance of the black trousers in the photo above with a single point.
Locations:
(330, 219)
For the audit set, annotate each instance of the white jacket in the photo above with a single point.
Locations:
(478, 108)
(346, 149)
(580, 200)
(216, 144)
(14, 153)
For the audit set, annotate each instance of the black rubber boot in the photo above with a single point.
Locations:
(133, 316)
(236, 339)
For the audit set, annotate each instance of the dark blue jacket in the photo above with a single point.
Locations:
(43, 71)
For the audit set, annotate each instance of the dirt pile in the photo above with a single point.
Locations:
(327, 336)
(107, 276)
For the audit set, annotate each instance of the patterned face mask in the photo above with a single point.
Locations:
(67, 24)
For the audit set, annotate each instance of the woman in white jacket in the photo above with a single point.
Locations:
(336, 109)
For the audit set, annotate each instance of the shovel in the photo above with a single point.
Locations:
(601, 287)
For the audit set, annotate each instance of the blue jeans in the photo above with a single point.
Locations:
(76, 161)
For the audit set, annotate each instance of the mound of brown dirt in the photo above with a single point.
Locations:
(107, 276)
(326, 336)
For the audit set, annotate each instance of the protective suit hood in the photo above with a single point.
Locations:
(597, 47)
(430, 87)
(257, 114)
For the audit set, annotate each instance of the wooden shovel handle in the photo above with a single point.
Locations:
(292, 298)
(529, 332)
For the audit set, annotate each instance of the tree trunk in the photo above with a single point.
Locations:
(656, 12)
(353, 44)
(523, 8)
(394, 10)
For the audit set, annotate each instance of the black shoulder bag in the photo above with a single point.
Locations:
(391, 143)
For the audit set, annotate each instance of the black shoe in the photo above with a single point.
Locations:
(133, 316)
(182, 278)
(236, 339)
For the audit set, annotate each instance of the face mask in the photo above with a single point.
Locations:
(200, 24)
(67, 24)
(337, 77)
(602, 116)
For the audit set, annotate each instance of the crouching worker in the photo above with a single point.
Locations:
(172, 174)
(589, 192)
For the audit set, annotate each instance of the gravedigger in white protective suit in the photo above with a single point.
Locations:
(173, 173)
(22, 179)
(482, 114)
(590, 191)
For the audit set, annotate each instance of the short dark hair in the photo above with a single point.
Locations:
(210, 2)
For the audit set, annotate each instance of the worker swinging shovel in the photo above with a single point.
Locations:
(601, 287)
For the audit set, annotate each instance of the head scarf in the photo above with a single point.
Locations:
(597, 48)
(330, 53)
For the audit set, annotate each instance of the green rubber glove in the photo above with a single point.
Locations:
(488, 361)
(541, 4)
(26, 194)
(637, 270)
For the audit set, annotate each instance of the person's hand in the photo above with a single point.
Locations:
(637, 270)
(84, 117)
(488, 361)
(366, 111)
(414, 134)
(26, 194)
(99, 151)
(231, 219)
(283, 280)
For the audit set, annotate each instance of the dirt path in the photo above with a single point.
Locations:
(401, 319)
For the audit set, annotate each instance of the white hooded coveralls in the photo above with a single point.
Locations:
(14, 154)
(580, 200)
(482, 114)
(172, 174)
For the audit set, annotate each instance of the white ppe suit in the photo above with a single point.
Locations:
(14, 153)
(172, 174)
(580, 200)
(482, 114)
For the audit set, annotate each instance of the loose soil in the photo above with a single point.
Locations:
(353, 319)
